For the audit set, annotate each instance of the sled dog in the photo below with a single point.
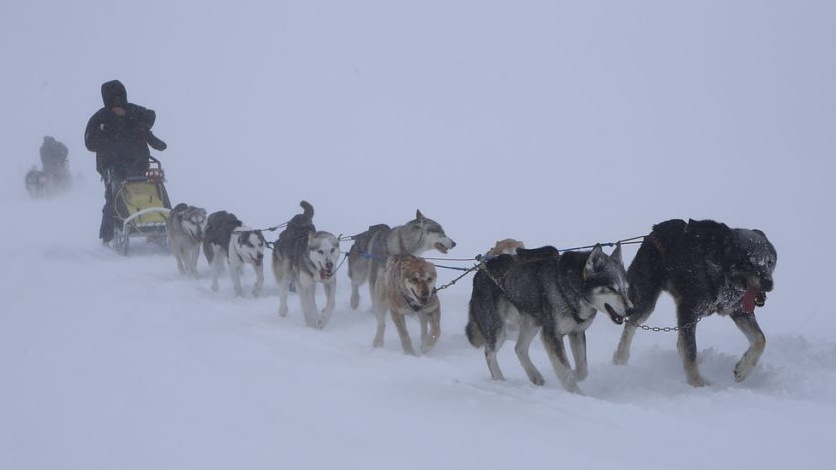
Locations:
(508, 246)
(367, 256)
(306, 256)
(556, 294)
(228, 240)
(407, 287)
(185, 227)
(707, 267)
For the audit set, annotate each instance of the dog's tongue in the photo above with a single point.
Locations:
(749, 300)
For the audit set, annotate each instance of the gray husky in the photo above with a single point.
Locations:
(367, 256)
(707, 267)
(304, 256)
(185, 226)
(541, 290)
(228, 240)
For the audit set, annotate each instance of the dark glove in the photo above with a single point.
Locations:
(155, 142)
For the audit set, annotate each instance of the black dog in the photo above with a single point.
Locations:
(707, 267)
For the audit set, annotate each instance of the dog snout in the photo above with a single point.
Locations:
(329, 266)
(766, 284)
(452, 243)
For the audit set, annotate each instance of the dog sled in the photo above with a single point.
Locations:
(141, 207)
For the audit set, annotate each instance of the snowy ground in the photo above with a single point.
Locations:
(113, 362)
(553, 122)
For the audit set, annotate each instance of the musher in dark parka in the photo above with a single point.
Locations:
(120, 134)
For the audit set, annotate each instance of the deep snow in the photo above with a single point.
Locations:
(550, 122)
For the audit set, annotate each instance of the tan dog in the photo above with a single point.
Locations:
(508, 246)
(408, 287)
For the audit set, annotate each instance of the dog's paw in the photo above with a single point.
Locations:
(537, 379)
(214, 287)
(742, 370)
(620, 358)
(697, 382)
(377, 343)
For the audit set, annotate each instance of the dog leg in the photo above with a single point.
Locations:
(307, 299)
(687, 346)
(235, 269)
(493, 364)
(400, 324)
(748, 324)
(330, 287)
(380, 316)
(355, 295)
(641, 313)
(429, 338)
(259, 279)
(216, 269)
(282, 273)
(528, 330)
(557, 356)
(577, 341)
(192, 255)
(178, 255)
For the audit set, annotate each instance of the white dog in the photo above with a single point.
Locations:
(185, 227)
(228, 239)
(305, 256)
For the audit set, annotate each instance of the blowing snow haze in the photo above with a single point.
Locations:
(552, 122)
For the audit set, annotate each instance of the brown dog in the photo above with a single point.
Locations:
(508, 246)
(407, 287)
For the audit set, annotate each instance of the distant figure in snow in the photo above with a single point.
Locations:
(120, 134)
(54, 157)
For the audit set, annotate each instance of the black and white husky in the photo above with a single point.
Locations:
(185, 227)
(228, 240)
(707, 267)
(304, 256)
(541, 290)
(367, 256)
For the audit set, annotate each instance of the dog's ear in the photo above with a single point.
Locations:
(759, 232)
(419, 215)
(616, 254)
(594, 262)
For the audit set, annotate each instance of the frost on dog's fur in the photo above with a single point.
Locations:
(707, 268)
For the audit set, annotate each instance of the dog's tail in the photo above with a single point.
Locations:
(307, 210)
(207, 250)
(472, 331)
(484, 323)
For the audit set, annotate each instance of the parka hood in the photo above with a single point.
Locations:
(114, 94)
